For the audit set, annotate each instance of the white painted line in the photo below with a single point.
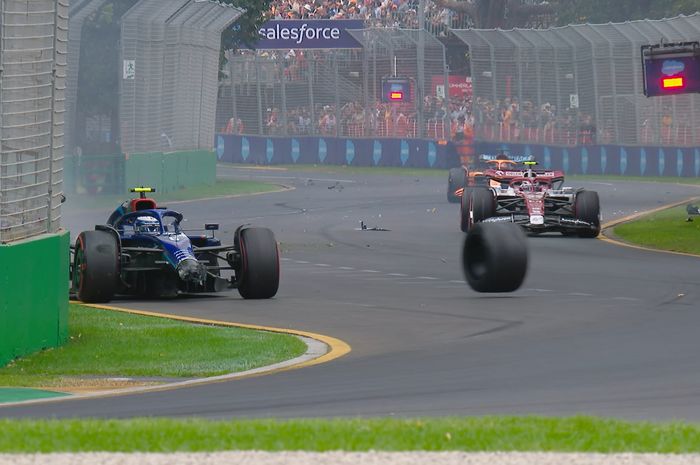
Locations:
(540, 290)
(398, 274)
(427, 277)
(582, 294)
(456, 281)
(345, 268)
(300, 261)
(370, 271)
(321, 264)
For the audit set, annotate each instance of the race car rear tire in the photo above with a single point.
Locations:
(587, 208)
(260, 266)
(455, 180)
(494, 257)
(96, 266)
(478, 205)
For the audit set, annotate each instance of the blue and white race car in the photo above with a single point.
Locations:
(143, 251)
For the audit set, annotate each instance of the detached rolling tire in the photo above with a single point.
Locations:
(260, 267)
(478, 204)
(587, 208)
(96, 266)
(455, 180)
(494, 257)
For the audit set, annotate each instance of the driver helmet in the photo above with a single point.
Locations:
(147, 225)
(526, 186)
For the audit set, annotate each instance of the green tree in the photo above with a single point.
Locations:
(244, 32)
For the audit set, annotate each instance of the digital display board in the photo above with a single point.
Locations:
(396, 89)
(671, 70)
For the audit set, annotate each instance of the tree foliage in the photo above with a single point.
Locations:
(245, 32)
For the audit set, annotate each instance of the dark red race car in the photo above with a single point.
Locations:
(535, 200)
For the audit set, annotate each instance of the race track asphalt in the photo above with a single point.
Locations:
(596, 328)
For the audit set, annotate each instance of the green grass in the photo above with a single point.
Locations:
(575, 434)
(665, 230)
(220, 189)
(108, 343)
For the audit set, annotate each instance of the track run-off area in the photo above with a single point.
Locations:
(596, 328)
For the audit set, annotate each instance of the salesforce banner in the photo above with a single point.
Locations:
(308, 33)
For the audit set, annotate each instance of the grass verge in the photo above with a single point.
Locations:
(222, 188)
(113, 344)
(664, 230)
(575, 434)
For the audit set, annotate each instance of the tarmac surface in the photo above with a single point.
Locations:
(596, 328)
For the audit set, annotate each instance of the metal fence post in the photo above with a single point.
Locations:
(259, 95)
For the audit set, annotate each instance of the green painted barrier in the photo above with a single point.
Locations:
(33, 295)
(170, 171)
(115, 174)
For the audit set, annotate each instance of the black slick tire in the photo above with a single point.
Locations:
(95, 266)
(455, 180)
(478, 205)
(495, 257)
(260, 267)
(587, 208)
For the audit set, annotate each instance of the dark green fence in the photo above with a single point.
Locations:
(34, 295)
(114, 174)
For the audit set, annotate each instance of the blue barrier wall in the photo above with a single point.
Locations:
(421, 153)
(260, 150)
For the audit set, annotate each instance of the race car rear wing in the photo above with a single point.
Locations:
(505, 175)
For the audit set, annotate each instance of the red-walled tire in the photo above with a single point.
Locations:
(96, 266)
(260, 266)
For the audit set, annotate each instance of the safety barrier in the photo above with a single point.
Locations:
(170, 171)
(261, 150)
(114, 174)
(33, 306)
(607, 159)
(423, 153)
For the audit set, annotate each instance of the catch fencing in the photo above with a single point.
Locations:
(338, 92)
(33, 46)
(578, 85)
(170, 63)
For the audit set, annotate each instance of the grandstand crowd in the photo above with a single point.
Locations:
(506, 119)
(375, 13)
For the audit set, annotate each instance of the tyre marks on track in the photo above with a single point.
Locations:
(403, 279)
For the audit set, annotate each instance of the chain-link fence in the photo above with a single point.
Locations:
(338, 92)
(33, 42)
(578, 85)
(170, 62)
(79, 11)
